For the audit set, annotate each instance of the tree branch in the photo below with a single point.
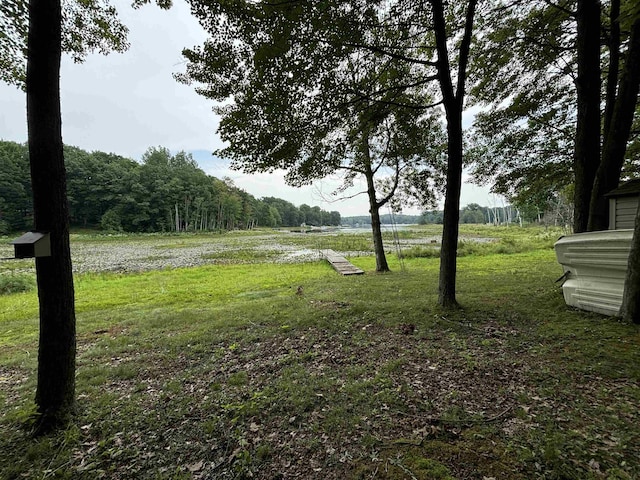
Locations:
(397, 56)
(563, 9)
(392, 192)
(363, 96)
(465, 47)
(400, 87)
(350, 169)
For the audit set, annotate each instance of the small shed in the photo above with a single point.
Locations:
(623, 205)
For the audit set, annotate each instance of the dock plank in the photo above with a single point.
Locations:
(341, 264)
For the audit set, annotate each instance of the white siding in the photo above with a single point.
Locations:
(626, 208)
(597, 266)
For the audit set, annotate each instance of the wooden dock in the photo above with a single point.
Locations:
(341, 264)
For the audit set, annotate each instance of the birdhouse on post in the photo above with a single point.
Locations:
(32, 244)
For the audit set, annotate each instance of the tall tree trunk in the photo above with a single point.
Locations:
(615, 140)
(450, 228)
(630, 309)
(374, 209)
(614, 63)
(453, 101)
(55, 393)
(587, 142)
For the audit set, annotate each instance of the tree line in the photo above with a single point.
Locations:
(471, 213)
(162, 193)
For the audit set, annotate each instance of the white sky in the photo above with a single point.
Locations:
(126, 103)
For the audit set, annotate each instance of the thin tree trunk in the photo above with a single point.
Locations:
(177, 218)
(378, 247)
(55, 393)
(587, 142)
(374, 209)
(630, 309)
(187, 219)
(615, 140)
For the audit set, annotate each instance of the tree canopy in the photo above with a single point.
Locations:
(306, 90)
(526, 77)
(119, 194)
(87, 26)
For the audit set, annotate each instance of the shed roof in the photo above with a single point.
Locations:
(28, 238)
(632, 187)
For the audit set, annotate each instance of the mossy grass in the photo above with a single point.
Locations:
(232, 371)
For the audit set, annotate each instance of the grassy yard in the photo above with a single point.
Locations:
(224, 371)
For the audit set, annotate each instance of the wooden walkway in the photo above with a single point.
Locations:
(341, 264)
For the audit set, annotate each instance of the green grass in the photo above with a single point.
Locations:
(224, 371)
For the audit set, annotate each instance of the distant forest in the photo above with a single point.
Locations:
(386, 218)
(167, 192)
(163, 192)
(472, 213)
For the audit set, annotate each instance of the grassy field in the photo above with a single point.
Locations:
(224, 371)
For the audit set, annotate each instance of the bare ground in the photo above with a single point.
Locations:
(475, 401)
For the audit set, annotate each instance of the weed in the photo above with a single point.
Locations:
(421, 252)
(16, 283)
(93, 375)
(124, 371)
(238, 379)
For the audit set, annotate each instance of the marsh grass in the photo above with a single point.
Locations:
(242, 255)
(225, 371)
(342, 242)
(495, 240)
(180, 238)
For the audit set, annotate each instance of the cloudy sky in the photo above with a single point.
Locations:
(126, 103)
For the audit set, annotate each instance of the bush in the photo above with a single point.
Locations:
(111, 221)
(15, 283)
